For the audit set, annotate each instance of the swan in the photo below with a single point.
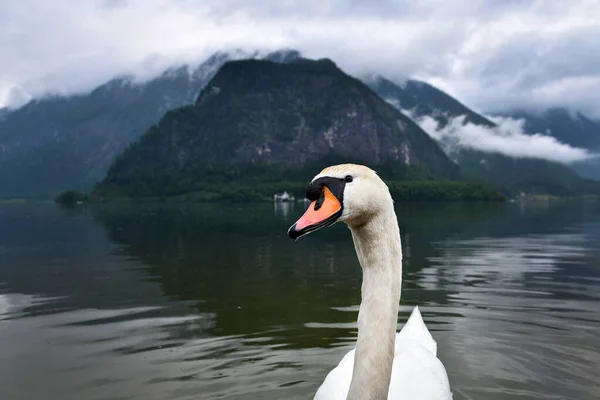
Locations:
(384, 364)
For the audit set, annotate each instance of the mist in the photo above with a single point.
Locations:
(507, 138)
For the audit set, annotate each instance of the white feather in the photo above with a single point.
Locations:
(416, 372)
(404, 364)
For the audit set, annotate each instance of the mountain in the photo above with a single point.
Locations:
(568, 127)
(259, 121)
(60, 142)
(283, 56)
(423, 99)
(67, 142)
(511, 174)
(573, 128)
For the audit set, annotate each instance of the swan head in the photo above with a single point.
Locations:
(349, 193)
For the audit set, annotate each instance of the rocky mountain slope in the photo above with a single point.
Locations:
(423, 99)
(264, 120)
(511, 174)
(61, 142)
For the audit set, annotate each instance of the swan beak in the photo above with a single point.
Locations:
(320, 213)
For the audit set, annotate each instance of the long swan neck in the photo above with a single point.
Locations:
(379, 252)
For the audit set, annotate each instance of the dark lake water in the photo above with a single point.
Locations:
(216, 302)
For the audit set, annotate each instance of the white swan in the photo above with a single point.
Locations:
(384, 364)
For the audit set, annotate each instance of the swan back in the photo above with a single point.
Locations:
(416, 372)
(416, 330)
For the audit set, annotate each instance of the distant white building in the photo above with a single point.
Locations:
(282, 197)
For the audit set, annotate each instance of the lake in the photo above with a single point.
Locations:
(214, 301)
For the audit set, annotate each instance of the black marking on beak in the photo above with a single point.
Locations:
(314, 192)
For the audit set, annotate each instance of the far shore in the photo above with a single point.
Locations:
(183, 200)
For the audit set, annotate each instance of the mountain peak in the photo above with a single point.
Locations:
(422, 99)
(273, 118)
(83, 133)
(297, 64)
(259, 74)
(283, 56)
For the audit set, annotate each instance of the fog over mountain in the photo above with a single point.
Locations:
(555, 135)
(508, 138)
(492, 55)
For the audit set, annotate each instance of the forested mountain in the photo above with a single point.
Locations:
(59, 142)
(261, 121)
(67, 142)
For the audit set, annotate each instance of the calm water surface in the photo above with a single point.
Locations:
(215, 302)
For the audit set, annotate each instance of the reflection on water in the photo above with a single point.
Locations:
(283, 209)
(214, 301)
(535, 316)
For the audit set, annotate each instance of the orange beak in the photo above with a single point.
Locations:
(320, 213)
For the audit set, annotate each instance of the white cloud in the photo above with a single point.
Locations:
(492, 55)
(508, 138)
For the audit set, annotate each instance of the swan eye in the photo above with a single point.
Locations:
(348, 178)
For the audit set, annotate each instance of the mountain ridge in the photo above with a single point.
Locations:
(275, 119)
(570, 127)
(58, 142)
(511, 174)
(422, 99)
(63, 142)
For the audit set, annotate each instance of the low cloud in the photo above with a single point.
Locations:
(507, 138)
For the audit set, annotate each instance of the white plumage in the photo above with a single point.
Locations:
(417, 373)
(385, 364)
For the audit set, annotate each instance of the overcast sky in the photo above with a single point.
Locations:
(491, 54)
